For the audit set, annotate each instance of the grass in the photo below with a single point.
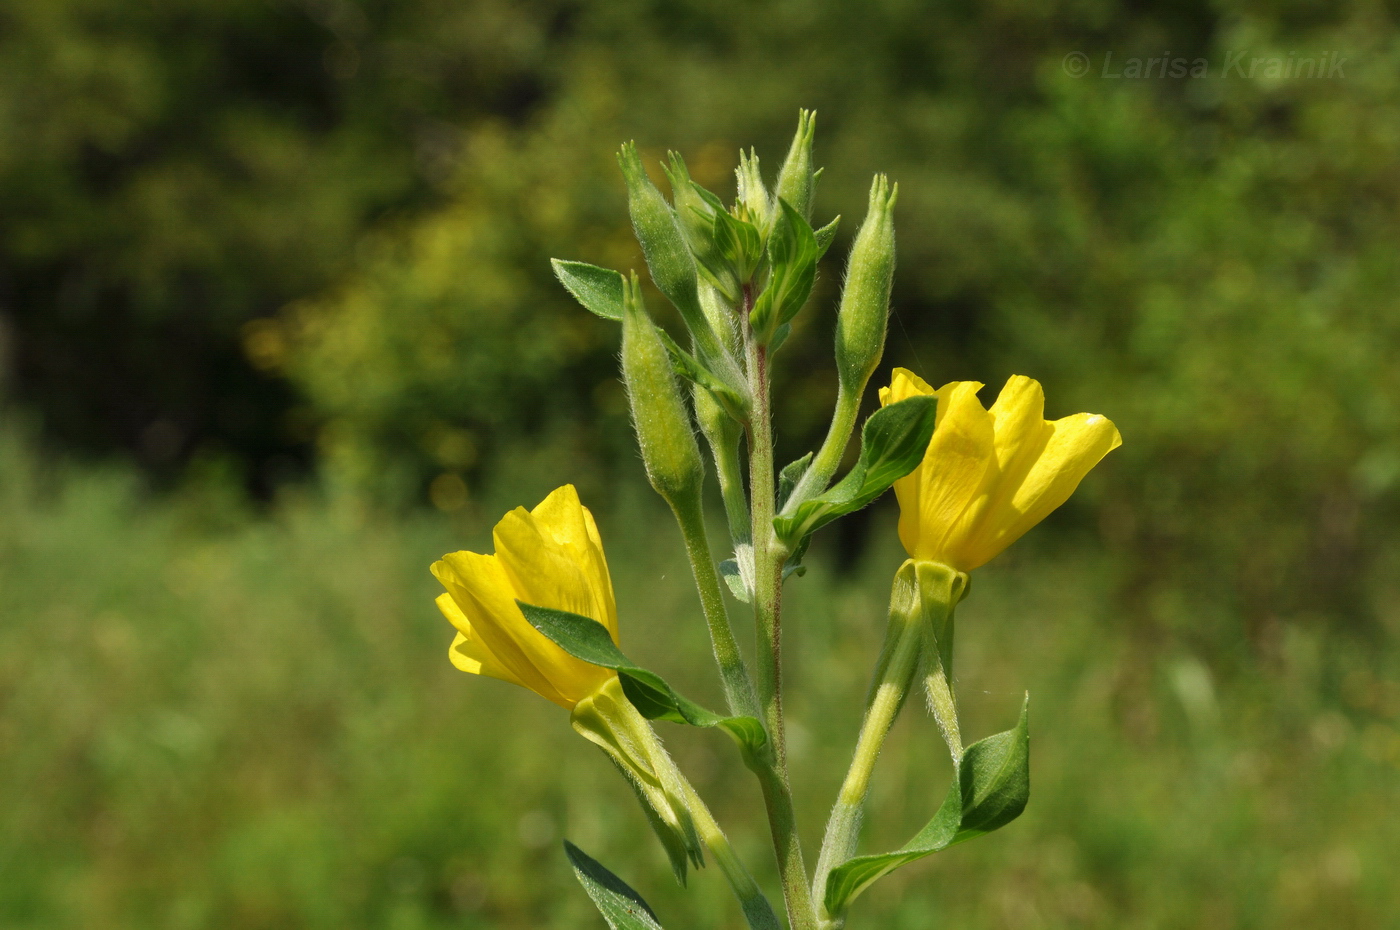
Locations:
(211, 717)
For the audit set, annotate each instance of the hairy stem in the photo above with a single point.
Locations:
(838, 435)
(767, 602)
(893, 675)
(757, 911)
(738, 687)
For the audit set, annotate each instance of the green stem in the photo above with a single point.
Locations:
(738, 687)
(828, 458)
(894, 673)
(767, 601)
(757, 911)
(920, 627)
(731, 489)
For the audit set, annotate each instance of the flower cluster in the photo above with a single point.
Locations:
(540, 611)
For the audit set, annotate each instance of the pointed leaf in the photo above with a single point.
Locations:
(598, 289)
(587, 639)
(792, 256)
(621, 907)
(991, 790)
(825, 236)
(892, 444)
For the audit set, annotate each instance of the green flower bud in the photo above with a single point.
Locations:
(696, 211)
(659, 232)
(865, 302)
(664, 433)
(751, 193)
(797, 180)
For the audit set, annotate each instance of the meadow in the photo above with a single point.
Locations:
(219, 716)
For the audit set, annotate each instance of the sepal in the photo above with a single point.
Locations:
(608, 719)
(892, 443)
(620, 906)
(991, 790)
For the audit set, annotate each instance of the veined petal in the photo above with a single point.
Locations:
(481, 590)
(544, 571)
(467, 651)
(562, 517)
(952, 476)
(1074, 445)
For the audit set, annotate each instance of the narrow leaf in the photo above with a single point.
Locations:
(695, 371)
(791, 474)
(621, 907)
(598, 289)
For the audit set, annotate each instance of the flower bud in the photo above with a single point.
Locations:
(664, 433)
(696, 216)
(751, 192)
(797, 181)
(658, 230)
(865, 302)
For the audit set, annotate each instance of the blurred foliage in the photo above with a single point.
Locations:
(1208, 261)
(171, 171)
(212, 719)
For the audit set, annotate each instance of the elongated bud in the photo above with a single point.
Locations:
(751, 192)
(696, 217)
(797, 179)
(865, 301)
(658, 230)
(664, 433)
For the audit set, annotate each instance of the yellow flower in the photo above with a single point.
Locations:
(551, 556)
(990, 475)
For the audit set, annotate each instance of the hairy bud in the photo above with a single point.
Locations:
(797, 180)
(668, 257)
(865, 302)
(664, 433)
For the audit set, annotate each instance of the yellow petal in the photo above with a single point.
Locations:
(548, 564)
(1073, 446)
(903, 385)
(480, 588)
(951, 478)
(562, 517)
(467, 651)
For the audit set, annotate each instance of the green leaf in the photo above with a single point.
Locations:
(825, 236)
(792, 256)
(598, 289)
(587, 639)
(791, 474)
(729, 571)
(695, 371)
(991, 790)
(621, 907)
(892, 444)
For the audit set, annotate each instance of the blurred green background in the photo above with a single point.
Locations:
(277, 328)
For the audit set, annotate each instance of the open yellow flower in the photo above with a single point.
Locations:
(990, 475)
(551, 556)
